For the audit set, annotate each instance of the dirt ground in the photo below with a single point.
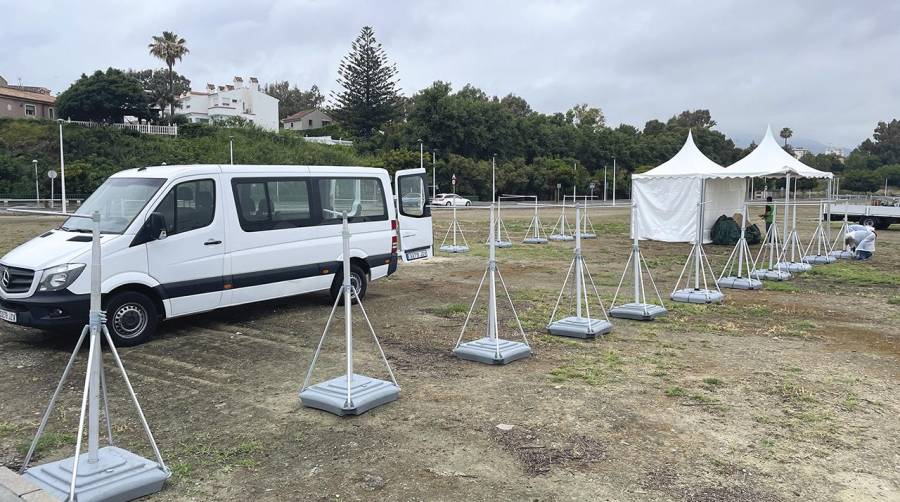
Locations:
(790, 393)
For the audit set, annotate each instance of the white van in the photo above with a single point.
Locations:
(179, 240)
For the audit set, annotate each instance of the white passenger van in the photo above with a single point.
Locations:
(178, 240)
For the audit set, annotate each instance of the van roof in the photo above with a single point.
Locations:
(200, 169)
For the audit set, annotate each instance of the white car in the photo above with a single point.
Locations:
(450, 199)
(178, 240)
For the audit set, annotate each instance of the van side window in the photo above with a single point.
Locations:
(361, 198)
(189, 206)
(272, 204)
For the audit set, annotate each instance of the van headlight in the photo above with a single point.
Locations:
(60, 276)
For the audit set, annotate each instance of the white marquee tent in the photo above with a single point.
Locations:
(769, 160)
(667, 196)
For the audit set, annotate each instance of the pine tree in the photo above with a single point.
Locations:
(370, 96)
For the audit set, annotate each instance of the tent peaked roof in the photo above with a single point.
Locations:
(770, 160)
(688, 162)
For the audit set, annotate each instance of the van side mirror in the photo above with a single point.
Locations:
(156, 227)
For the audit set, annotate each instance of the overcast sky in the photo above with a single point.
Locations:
(827, 69)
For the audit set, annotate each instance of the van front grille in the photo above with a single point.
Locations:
(15, 280)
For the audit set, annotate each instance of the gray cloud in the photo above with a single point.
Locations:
(825, 68)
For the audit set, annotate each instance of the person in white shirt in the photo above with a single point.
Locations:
(862, 239)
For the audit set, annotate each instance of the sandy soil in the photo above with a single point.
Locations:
(790, 393)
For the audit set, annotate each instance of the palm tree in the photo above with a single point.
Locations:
(170, 48)
(785, 134)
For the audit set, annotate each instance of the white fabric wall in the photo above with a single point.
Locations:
(667, 206)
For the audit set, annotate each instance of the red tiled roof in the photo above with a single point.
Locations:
(37, 97)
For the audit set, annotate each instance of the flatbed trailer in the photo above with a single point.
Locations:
(878, 216)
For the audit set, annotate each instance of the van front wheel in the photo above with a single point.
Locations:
(131, 318)
(358, 280)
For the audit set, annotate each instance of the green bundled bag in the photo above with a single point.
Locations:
(725, 231)
(753, 234)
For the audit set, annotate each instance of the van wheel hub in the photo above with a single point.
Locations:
(129, 320)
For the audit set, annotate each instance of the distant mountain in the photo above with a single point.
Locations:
(814, 146)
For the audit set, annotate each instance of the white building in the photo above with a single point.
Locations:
(831, 150)
(235, 100)
(799, 152)
(306, 120)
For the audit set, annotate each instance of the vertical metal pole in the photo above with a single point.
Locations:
(699, 238)
(743, 238)
(421, 155)
(578, 259)
(614, 182)
(37, 193)
(348, 319)
(492, 291)
(787, 204)
(94, 392)
(830, 191)
(604, 183)
(231, 149)
(62, 167)
(51, 191)
(433, 175)
(537, 233)
(455, 222)
(636, 253)
(794, 223)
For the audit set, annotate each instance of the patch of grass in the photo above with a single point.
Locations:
(850, 402)
(767, 443)
(675, 391)
(894, 300)
(782, 286)
(202, 452)
(856, 273)
(450, 310)
(181, 470)
(592, 370)
(49, 441)
(790, 391)
(712, 381)
(7, 429)
(700, 398)
(560, 340)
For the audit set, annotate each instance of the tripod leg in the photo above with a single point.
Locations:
(109, 435)
(134, 399)
(50, 406)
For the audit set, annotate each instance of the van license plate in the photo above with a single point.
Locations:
(417, 254)
(8, 316)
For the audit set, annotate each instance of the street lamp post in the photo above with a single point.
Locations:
(433, 174)
(62, 166)
(37, 193)
(604, 183)
(231, 148)
(614, 181)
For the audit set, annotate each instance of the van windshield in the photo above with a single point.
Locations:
(119, 200)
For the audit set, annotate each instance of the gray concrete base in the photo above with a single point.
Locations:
(367, 393)
(691, 295)
(534, 240)
(819, 259)
(579, 327)
(638, 311)
(771, 275)
(484, 350)
(459, 248)
(118, 475)
(842, 254)
(561, 237)
(588, 235)
(733, 282)
(503, 244)
(795, 267)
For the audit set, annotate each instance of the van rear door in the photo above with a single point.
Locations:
(413, 214)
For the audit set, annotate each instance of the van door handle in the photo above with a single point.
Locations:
(211, 242)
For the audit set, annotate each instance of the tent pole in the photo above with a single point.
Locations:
(830, 191)
(699, 242)
(635, 250)
(787, 204)
(578, 278)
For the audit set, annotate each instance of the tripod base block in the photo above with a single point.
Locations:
(702, 296)
(579, 327)
(734, 282)
(562, 237)
(450, 248)
(842, 254)
(588, 235)
(764, 274)
(795, 267)
(638, 311)
(502, 244)
(819, 259)
(484, 350)
(367, 393)
(118, 475)
(534, 240)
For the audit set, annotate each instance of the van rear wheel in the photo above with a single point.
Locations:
(131, 318)
(358, 280)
